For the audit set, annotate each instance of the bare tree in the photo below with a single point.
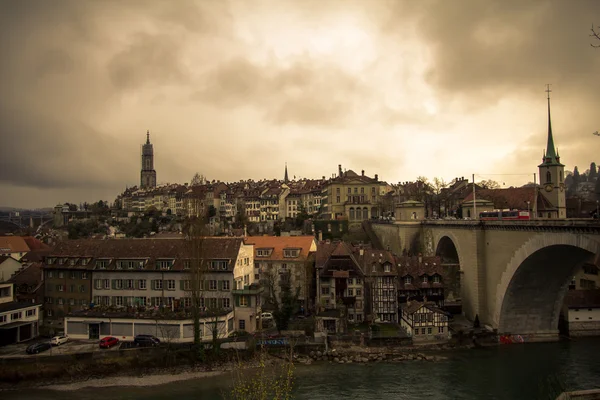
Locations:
(196, 238)
(197, 179)
(488, 184)
(596, 35)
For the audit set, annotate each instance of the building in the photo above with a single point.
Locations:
(552, 179)
(422, 279)
(169, 327)
(148, 173)
(13, 246)
(410, 210)
(424, 321)
(285, 257)
(8, 267)
(29, 283)
(352, 196)
(339, 283)
(141, 274)
(380, 283)
(586, 278)
(581, 312)
(19, 321)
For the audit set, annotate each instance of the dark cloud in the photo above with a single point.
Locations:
(303, 94)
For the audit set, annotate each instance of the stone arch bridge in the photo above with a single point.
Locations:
(514, 274)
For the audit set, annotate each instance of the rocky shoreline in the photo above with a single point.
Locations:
(343, 357)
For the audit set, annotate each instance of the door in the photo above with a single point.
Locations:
(94, 331)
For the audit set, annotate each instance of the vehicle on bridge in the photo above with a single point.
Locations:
(509, 215)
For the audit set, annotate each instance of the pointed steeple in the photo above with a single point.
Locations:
(551, 156)
(285, 178)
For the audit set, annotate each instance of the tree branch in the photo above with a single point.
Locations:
(595, 34)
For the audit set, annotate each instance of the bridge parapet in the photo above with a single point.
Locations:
(578, 225)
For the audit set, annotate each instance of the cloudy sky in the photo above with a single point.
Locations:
(234, 89)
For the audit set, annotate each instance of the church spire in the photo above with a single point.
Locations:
(148, 137)
(550, 154)
(285, 178)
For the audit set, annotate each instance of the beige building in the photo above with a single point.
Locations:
(353, 197)
(410, 210)
(473, 208)
(424, 321)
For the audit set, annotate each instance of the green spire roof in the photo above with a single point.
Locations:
(551, 156)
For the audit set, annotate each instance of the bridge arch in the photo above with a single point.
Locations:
(447, 250)
(531, 289)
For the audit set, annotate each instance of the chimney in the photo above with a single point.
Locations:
(363, 172)
(376, 177)
(340, 169)
(320, 236)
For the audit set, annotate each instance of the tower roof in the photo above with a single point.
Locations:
(285, 178)
(551, 156)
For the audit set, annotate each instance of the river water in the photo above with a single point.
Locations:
(519, 371)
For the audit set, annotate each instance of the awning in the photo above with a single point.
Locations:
(15, 324)
(89, 322)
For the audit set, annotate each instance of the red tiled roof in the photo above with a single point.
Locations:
(279, 243)
(13, 244)
(512, 198)
(213, 248)
(35, 244)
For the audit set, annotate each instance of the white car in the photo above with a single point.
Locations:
(58, 340)
(266, 316)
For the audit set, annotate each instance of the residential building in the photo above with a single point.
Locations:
(247, 292)
(352, 196)
(285, 257)
(13, 246)
(424, 321)
(581, 312)
(139, 273)
(18, 321)
(586, 277)
(381, 289)
(8, 267)
(29, 283)
(422, 279)
(339, 283)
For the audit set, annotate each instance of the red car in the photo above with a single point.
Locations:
(108, 341)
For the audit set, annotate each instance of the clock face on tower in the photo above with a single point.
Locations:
(548, 188)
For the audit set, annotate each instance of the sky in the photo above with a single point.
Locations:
(235, 89)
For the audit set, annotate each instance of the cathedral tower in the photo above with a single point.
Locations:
(148, 176)
(552, 174)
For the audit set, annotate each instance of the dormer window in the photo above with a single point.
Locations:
(186, 264)
(218, 265)
(61, 261)
(425, 279)
(436, 279)
(102, 264)
(407, 280)
(84, 261)
(387, 268)
(72, 261)
(164, 264)
(291, 253)
(50, 260)
(263, 252)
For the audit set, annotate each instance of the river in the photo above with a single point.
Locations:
(519, 371)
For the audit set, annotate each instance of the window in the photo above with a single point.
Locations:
(102, 264)
(98, 283)
(187, 302)
(359, 317)
(142, 284)
(387, 268)
(71, 302)
(118, 284)
(325, 290)
(60, 301)
(171, 284)
(186, 264)
(48, 300)
(106, 284)
(187, 285)
(60, 288)
(358, 281)
(226, 303)
(218, 265)
(429, 331)
(61, 275)
(350, 317)
(164, 264)
(72, 288)
(349, 281)
(50, 274)
(358, 292)
(226, 285)
(242, 324)
(441, 329)
(212, 285)
(291, 252)
(2, 318)
(350, 292)
(50, 261)
(84, 261)
(48, 313)
(118, 300)
(158, 284)
(82, 288)
(436, 279)
(407, 280)
(425, 280)
(548, 176)
(73, 275)
(84, 275)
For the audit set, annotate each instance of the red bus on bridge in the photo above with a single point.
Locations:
(509, 215)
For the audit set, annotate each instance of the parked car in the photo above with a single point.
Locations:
(266, 316)
(58, 340)
(108, 342)
(146, 340)
(38, 347)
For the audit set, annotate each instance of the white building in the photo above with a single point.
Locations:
(18, 321)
